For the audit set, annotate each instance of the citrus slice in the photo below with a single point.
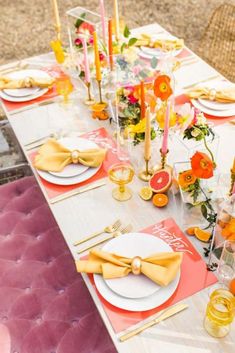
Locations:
(98, 107)
(161, 181)
(146, 193)
(232, 286)
(190, 231)
(160, 200)
(202, 235)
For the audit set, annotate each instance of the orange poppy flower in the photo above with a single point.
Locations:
(186, 179)
(202, 165)
(162, 87)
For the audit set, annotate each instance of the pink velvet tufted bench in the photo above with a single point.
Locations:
(45, 306)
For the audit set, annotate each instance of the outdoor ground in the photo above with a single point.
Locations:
(26, 26)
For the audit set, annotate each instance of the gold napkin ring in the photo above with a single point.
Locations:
(136, 265)
(212, 94)
(75, 156)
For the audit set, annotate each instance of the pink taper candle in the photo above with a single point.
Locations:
(166, 129)
(102, 13)
(86, 61)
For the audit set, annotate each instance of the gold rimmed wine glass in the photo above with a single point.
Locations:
(121, 174)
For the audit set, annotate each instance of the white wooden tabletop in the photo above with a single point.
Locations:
(80, 215)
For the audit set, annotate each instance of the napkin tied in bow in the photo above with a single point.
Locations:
(54, 157)
(225, 95)
(27, 82)
(161, 268)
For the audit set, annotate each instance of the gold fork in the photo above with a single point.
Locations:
(124, 230)
(109, 229)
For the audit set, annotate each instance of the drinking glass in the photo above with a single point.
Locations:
(121, 174)
(64, 87)
(226, 266)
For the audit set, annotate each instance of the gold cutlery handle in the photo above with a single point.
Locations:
(95, 244)
(167, 313)
(93, 235)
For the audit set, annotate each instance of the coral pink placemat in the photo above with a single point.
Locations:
(101, 138)
(194, 276)
(216, 120)
(54, 71)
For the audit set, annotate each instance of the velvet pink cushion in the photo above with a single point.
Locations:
(45, 306)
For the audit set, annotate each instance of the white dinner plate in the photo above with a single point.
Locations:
(213, 112)
(73, 143)
(158, 296)
(16, 95)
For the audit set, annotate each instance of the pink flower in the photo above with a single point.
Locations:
(132, 99)
(102, 56)
(78, 42)
(91, 41)
(137, 69)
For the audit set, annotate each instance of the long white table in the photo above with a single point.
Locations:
(86, 213)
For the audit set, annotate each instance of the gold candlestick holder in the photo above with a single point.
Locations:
(100, 92)
(232, 182)
(89, 100)
(147, 173)
(163, 163)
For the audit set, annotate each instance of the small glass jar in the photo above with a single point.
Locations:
(219, 313)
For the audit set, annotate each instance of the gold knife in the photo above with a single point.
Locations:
(165, 315)
(80, 190)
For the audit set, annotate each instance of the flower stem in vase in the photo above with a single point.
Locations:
(210, 152)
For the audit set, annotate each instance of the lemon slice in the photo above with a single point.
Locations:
(146, 193)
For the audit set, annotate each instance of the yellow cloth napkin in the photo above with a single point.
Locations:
(169, 44)
(53, 157)
(27, 82)
(160, 268)
(226, 95)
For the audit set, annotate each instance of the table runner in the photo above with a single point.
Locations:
(194, 276)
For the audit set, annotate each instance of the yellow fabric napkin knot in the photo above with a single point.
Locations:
(27, 82)
(223, 95)
(161, 268)
(54, 157)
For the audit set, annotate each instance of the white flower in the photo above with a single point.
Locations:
(195, 133)
(201, 120)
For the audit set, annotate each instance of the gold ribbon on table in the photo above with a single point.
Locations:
(161, 268)
(27, 82)
(226, 95)
(53, 157)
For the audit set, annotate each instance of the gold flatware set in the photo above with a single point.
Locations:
(114, 230)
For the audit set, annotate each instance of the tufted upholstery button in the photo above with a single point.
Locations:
(28, 289)
(38, 236)
(61, 291)
(39, 320)
(74, 323)
(18, 261)
(4, 318)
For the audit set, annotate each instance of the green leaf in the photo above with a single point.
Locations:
(126, 32)
(123, 47)
(153, 62)
(142, 74)
(132, 41)
(80, 20)
(204, 211)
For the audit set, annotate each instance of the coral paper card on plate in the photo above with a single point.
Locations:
(53, 71)
(102, 139)
(194, 276)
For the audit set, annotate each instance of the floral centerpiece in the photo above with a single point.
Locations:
(191, 183)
